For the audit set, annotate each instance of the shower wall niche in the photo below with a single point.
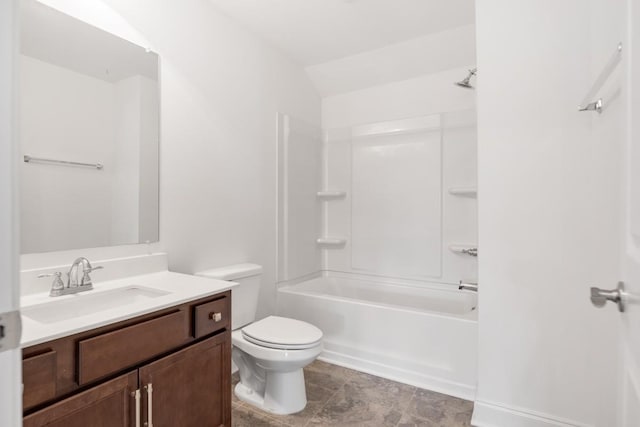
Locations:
(409, 204)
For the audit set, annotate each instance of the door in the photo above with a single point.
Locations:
(111, 404)
(189, 388)
(10, 363)
(629, 399)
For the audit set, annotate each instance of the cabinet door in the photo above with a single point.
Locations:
(189, 388)
(107, 405)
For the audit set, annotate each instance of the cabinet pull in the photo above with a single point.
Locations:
(136, 396)
(149, 388)
(216, 317)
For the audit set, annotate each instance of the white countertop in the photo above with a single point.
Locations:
(181, 288)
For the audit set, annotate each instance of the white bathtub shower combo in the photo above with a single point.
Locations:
(420, 336)
(375, 232)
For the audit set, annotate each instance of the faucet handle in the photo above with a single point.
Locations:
(57, 286)
(86, 279)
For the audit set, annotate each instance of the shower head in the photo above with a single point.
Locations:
(466, 82)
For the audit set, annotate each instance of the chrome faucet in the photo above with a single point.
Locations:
(467, 286)
(73, 276)
(75, 283)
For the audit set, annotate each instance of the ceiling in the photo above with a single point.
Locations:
(316, 31)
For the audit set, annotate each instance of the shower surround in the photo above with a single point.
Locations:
(376, 232)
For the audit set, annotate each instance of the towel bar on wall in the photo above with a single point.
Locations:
(29, 159)
(588, 104)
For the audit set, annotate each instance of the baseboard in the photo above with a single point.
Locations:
(487, 414)
(413, 378)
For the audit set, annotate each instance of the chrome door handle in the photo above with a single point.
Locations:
(599, 297)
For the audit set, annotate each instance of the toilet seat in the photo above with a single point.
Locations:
(282, 333)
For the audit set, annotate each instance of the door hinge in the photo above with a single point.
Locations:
(10, 330)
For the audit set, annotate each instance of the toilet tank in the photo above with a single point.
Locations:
(244, 298)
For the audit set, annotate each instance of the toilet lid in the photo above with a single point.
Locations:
(282, 333)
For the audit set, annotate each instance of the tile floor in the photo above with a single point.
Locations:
(342, 397)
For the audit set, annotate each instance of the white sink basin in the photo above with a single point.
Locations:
(89, 302)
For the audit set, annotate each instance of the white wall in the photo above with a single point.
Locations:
(413, 58)
(549, 214)
(221, 88)
(419, 96)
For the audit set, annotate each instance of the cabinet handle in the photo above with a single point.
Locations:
(136, 396)
(216, 317)
(149, 388)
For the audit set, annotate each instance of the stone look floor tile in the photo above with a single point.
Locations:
(350, 412)
(325, 375)
(342, 397)
(366, 400)
(413, 421)
(317, 397)
(243, 416)
(441, 409)
(381, 390)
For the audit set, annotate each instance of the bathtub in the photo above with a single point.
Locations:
(425, 336)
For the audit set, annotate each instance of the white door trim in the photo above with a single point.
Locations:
(10, 360)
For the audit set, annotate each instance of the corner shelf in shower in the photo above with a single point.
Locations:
(331, 194)
(464, 191)
(331, 242)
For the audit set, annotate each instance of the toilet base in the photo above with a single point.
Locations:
(285, 393)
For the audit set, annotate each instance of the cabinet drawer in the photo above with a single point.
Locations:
(211, 317)
(39, 378)
(114, 351)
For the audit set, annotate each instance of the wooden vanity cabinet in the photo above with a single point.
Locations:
(188, 388)
(168, 368)
(106, 405)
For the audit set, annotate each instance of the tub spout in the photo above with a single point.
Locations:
(468, 286)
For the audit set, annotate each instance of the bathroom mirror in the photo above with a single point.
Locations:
(89, 135)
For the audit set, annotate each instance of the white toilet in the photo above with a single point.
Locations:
(271, 352)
